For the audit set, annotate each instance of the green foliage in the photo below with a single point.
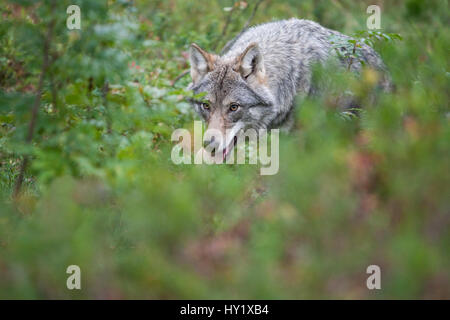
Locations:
(350, 49)
(101, 190)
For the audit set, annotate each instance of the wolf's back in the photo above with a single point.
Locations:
(291, 47)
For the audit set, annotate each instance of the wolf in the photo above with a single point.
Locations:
(253, 84)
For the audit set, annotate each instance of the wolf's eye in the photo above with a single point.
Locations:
(234, 106)
(205, 105)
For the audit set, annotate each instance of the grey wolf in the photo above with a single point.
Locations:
(254, 83)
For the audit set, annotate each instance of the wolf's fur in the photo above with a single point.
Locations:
(263, 70)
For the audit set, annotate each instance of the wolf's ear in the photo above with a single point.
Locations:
(202, 62)
(250, 62)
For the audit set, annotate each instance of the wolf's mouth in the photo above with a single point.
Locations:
(231, 140)
(228, 148)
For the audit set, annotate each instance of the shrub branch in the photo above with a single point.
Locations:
(35, 108)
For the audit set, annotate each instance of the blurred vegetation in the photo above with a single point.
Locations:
(101, 192)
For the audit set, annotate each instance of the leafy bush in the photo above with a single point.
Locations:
(101, 192)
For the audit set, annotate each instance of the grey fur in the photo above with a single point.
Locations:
(265, 80)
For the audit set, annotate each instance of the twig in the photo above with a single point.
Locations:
(244, 28)
(255, 8)
(35, 108)
(225, 27)
(105, 91)
(181, 75)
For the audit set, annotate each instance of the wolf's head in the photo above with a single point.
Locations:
(237, 94)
